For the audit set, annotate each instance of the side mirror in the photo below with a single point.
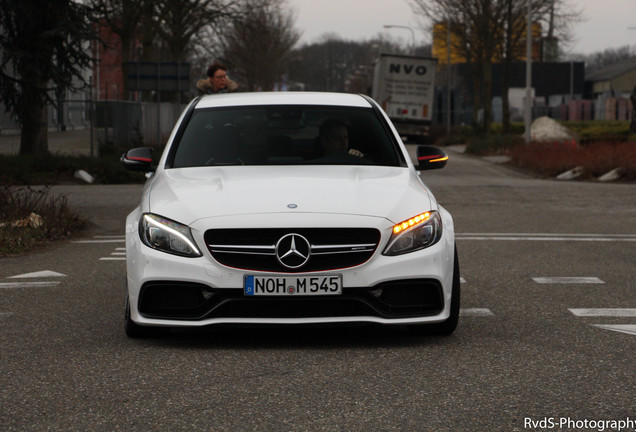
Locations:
(430, 157)
(138, 159)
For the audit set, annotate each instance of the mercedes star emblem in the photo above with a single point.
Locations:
(293, 250)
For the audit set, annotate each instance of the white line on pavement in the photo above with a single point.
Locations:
(604, 312)
(38, 274)
(580, 239)
(548, 235)
(475, 312)
(624, 328)
(567, 280)
(27, 284)
(99, 241)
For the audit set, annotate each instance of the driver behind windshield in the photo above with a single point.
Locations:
(334, 138)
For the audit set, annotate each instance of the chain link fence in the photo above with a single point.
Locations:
(99, 125)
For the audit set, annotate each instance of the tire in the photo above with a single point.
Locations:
(447, 327)
(135, 331)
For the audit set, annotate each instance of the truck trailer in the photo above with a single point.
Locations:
(405, 88)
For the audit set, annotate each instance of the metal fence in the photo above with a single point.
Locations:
(602, 108)
(122, 123)
(129, 123)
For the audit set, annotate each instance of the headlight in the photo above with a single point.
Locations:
(167, 236)
(417, 233)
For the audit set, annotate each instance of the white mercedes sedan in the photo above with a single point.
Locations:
(288, 209)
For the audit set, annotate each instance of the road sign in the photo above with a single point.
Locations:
(157, 76)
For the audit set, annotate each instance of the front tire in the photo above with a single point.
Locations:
(135, 331)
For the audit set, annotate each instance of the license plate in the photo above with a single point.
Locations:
(282, 285)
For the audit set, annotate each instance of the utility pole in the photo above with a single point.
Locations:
(528, 104)
(449, 71)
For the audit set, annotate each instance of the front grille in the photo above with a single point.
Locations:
(189, 301)
(255, 249)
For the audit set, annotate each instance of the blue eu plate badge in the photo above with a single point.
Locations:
(249, 285)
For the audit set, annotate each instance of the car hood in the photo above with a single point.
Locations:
(188, 194)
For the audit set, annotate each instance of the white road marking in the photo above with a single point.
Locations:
(27, 284)
(568, 280)
(462, 280)
(629, 329)
(481, 312)
(604, 312)
(99, 241)
(118, 255)
(38, 274)
(548, 237)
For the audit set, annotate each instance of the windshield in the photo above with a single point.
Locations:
(285, 135)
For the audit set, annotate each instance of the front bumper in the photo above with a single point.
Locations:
(168, 290)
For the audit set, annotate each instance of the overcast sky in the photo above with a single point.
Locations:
(607, 22)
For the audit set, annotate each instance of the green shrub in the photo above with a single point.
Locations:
(493, 144)
(515, 129)
(32, 216)
(600, 130)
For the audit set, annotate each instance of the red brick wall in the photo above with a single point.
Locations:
(108, 74)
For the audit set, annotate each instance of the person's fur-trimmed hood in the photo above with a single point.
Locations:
(204, 86)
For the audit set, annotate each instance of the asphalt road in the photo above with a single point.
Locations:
(546, 340)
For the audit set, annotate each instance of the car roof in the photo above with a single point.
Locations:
(283, 98)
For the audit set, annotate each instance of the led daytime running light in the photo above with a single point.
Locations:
(421, 218)
(172, 231)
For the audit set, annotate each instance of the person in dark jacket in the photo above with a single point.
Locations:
(217, 81)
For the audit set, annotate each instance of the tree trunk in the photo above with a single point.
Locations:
(505, 87)
(34, 131)
(477, 81)
(487, 94)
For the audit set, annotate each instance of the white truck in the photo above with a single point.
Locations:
(405, 88)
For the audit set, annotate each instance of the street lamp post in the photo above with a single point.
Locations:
(449, 71)
(409, 29)
(528, 101)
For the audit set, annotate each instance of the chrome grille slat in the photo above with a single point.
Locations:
(339, 252)
(243, 252)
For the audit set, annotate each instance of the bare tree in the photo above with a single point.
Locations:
(514, 33)
(326, 65)
(484, 31)
(607, 57)
(559, 18)
(163, 30)
(258, 45)
(181, 20)
(476, 27)
(42, 49)
(125, 18)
